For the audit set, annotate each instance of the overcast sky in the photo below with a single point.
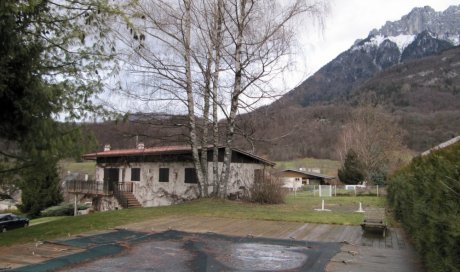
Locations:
(347, 21)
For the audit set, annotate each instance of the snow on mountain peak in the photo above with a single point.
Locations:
(402, 41)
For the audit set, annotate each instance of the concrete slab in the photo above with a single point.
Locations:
(360, 252)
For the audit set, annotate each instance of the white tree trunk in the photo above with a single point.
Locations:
(194, 142)
(235, 97)
(217, 42)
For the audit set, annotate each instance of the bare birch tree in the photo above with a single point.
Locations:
(260, 36)
(217, 44)
(209, 54)
(209, 15)
(158, 45)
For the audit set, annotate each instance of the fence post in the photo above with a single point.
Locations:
(75, 206)
(377, 190)
(295, 188)
(355, 189)
(335, 190)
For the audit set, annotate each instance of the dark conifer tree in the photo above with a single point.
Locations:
(352, 170)
(46, 70)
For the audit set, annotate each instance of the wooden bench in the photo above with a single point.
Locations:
(374, 221)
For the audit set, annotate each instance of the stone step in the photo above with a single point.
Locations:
(131, 200)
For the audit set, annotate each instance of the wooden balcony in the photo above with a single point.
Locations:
(89, 187)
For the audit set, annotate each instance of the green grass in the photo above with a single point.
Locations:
(328, 167)
(88, 167)
(42, 220)
(299, 208)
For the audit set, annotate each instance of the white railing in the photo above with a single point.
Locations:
(343, 190)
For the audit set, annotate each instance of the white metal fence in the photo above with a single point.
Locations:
(342, 190)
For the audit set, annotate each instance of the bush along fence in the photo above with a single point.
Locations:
(425, 197)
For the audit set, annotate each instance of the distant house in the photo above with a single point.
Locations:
(442, 145)
(156, 176)
(297, 178)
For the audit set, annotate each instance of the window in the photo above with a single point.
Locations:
(190, 175)
(258, 175)
(135, 174)
(164, 175)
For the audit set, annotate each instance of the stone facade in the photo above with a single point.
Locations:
(150, 192)
(164, 175)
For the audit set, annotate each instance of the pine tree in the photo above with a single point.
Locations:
(46, 69)
(40, 188)
(352, 170)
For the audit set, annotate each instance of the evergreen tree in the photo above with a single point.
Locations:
(48, 68)
(40, 188)
(352, 170)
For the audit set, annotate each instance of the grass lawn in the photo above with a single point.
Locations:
(299, 208)
(42, 220)
(88, 167)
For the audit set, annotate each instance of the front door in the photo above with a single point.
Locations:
(111, 177)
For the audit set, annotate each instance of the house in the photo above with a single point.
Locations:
(156, 176)
(442, 145)
(297, 178)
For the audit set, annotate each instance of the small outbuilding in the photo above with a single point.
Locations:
(296, 178)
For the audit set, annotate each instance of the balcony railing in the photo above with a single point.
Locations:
(92, 187)
(87, 187)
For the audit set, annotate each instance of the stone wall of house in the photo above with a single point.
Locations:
(292, 182)
(106, 203)
(241, 178)
(150, 192)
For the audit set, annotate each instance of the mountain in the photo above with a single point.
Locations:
(423, 32)
(443, 24)
(410, 67)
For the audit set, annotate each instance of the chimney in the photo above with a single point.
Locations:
(107, 147)
(140, 146)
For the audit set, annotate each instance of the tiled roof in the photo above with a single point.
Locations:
(308, 173)
(158, 151)
(136, 151)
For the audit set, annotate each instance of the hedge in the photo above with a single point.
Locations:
(425, 198)
(62, 209)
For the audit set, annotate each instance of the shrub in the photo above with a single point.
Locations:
(425, 197)
(62, 209)
(267, 189)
